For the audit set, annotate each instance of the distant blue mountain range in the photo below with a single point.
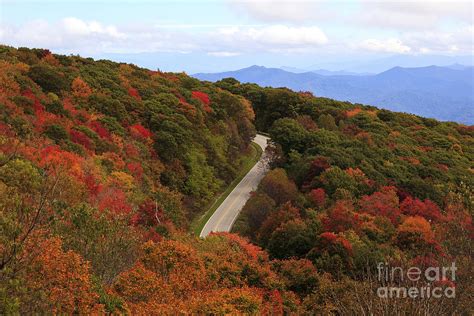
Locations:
(445, 93)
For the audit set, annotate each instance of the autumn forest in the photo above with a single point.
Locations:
(105, 165)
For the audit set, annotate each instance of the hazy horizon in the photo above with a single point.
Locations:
(213, 36)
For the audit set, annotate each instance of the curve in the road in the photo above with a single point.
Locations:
(226, 214)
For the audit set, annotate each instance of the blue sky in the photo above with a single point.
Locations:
(228, 34)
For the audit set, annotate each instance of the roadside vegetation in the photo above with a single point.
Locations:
(248, 161)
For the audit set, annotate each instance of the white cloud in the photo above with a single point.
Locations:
(73, 35)
(389, 14)
(32, 33)
(390, 45)
(414, 14)
(75, 26)
(460, 40)
(271, 38)
(380, 26)
(66, 35)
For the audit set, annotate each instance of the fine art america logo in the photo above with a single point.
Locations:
(414, 282)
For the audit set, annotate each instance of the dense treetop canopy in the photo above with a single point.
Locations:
(103, 165)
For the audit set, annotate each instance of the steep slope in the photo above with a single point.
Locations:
(101, 166)
(103, 163)
(354, 189)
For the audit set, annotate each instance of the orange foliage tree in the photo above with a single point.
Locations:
(80, 89)
(58, 281)
(415, 233)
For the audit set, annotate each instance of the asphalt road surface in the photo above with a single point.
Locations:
(226, 214)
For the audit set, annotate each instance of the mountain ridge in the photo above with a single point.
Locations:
(433, 87)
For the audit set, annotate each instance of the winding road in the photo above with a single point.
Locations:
(226, 214)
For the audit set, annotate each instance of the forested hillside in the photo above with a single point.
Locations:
(103, 165)
(353, 186)
(101, 162)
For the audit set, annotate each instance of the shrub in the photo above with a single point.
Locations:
(56, 133)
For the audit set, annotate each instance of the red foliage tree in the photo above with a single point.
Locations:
(329, 236)
(333, 242)
(149, 213)
(80, 138)
(416, 207)
(201, 96)
(114, 200)
(43, 119)
(37, 106)
(340, 217)
(134, 93)
(140, 132)
(151, 235)
(204, 98)
(100, 130)
(136, 169)
(69, 106)
(382, 203)
(318, 196)
(54, 160)
(93, 186)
